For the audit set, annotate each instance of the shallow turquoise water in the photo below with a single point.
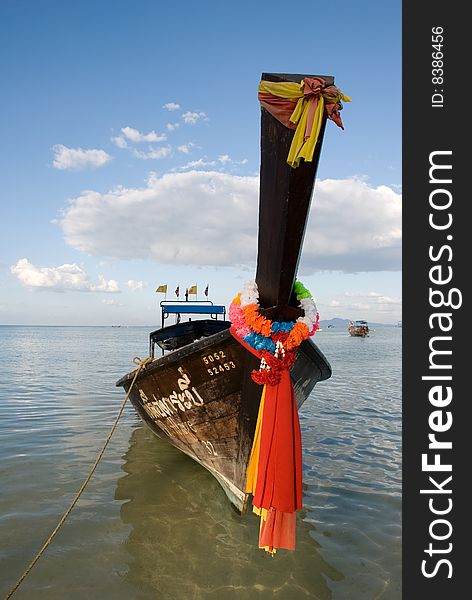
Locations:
(154, 524)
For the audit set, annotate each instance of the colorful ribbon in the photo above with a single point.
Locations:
(301, 106)
(274, 474)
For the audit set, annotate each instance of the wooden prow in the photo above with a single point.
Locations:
(284, 205)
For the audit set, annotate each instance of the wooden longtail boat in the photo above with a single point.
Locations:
(200, 396)
(358, 328)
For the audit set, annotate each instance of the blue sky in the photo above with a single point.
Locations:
(106, 192)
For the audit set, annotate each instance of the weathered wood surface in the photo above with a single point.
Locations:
(284, 204)
(202, 399)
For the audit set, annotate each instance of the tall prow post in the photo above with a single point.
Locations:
(284, 204)
(273, 319)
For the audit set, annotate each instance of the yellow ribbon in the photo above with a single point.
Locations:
(301, 147)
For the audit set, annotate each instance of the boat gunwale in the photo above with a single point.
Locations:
(308, 347)
(176, 354)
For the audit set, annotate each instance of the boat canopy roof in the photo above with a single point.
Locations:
(197, 307)
(190, 308)
(358, 323)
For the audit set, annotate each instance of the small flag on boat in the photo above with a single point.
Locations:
(192, 290)
(177, 291)
(162, 289)
(206, 291)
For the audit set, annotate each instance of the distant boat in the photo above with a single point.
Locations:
(330, 326)
(200, 396)
(358, 328)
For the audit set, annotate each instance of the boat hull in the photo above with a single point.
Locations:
(357, 332)
(202, 400)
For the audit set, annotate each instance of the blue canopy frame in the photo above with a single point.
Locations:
(198, 307)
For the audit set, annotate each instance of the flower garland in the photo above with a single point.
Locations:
(276, 341)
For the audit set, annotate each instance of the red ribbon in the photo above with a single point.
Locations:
(312, 89)
(279, 473)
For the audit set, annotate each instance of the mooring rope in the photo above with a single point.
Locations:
(141, 364)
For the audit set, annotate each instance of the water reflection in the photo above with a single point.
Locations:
(170, 533)
(187, 542)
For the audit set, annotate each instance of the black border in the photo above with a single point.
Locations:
(427, 129)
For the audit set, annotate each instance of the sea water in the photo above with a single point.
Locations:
(153, 523)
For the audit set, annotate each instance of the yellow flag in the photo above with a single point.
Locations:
(192, 289)
(162, 289)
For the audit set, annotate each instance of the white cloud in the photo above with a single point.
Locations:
(136, 285)
(129, 134)
(226, 160)
(353, 227)
(109, 302)
(186, 148)
(378, 306)
(372, 299)
(172, 126)
(171, 106)
(362, 295)
(389, 300)
(153, 153)
(137, 137)
(59, 279)
(76, 159)
(192, 117)
(119, 141)
(105, 286)
(223, 163)
(210, 218)
(196, 164)
(186, 218)
(359, 306)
